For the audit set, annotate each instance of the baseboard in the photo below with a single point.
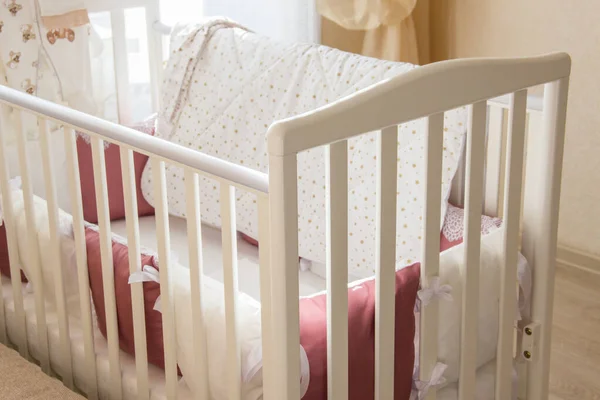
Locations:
(577, 259)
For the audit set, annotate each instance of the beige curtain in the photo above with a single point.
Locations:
(388, 24)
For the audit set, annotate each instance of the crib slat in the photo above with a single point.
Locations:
(108, 277)
(336, 167)
(283, 206)
(192, 188)
(155, 51)
(265, 295)
(166, 290)
(81, 258)
(430, 264)
(512, 214)
(32, 245)
(11, 239)
(385, 248)
(470, 300)
(56, 256)
(494, 160)
(120, 59)
(230, 281)
(135, 264)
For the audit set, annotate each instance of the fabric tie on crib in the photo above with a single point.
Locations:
(420, 388)
(13, 184)
(147, 274)
(435, 290)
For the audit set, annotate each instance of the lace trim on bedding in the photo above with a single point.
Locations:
(453, 228)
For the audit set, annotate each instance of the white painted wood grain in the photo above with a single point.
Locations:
(201, 367)
(32, 244)
(83, 283)
(512, 214)
(430, 264)
(266, 297)
(230, 282)
(336, 171)
(472, 228)
(541, 225)
(11, 241)
(163, 238)
(135, 265)
(108, 277)
(283, 203)
(56, 258)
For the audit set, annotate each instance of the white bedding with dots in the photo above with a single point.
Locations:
(226, 85)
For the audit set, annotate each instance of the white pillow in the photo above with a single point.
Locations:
(450, 312)
(49, 269)
(249, 331)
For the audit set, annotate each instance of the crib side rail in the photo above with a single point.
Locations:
(426, 92)
(120, 135)
(15, 108)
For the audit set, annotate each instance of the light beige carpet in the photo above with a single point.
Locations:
(22, 380)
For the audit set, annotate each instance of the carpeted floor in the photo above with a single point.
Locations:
(22, 380)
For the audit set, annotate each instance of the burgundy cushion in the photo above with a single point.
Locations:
(4, 259)
(154, 334)
(114, 179)
(361, 338)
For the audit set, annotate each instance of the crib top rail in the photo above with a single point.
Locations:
(421, 92)
(205, 164)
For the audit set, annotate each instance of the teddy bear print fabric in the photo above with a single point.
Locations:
(49, 63)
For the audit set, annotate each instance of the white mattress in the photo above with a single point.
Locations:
(248, 270)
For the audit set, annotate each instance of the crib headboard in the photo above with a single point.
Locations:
(136, 56)
(495, 157)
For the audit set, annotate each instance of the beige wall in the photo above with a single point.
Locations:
(471, 28)
(526, 27)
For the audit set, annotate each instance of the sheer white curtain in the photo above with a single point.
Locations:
(287, 20)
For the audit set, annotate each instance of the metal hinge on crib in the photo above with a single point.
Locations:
(529, 339)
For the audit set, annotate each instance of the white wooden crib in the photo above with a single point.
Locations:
(493, 180)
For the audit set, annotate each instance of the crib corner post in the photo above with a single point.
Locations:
(283, 203)
(540, 224)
